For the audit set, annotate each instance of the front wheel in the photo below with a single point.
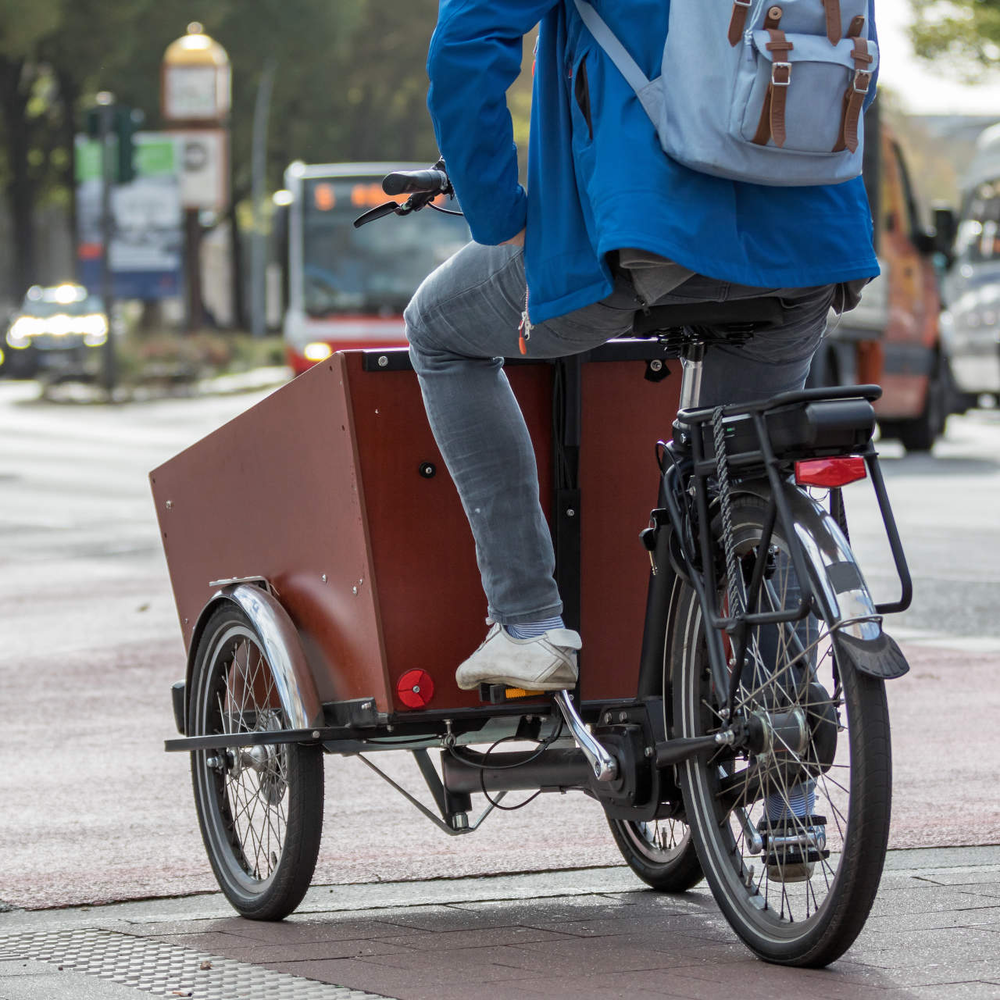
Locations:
(661, 852)
(260, 806)
(792, 829)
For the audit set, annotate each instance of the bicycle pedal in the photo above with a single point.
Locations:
(501, 694)
(794, 842)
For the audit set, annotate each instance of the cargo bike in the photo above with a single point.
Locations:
(730, 716)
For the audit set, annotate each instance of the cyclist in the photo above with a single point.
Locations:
(608, 225)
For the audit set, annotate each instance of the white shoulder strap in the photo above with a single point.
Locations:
(608, 41)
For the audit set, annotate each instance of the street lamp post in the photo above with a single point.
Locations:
(258, 249)
(106, 133)
(113, 126)
(195, 94)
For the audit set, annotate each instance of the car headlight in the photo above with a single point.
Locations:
(317, 351)
(60, 325)
(94, 328)
(22, 330)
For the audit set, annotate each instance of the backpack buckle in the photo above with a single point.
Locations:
(861, 77)
(787, 67)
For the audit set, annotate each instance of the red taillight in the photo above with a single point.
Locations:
(830, 471)
(415, 688)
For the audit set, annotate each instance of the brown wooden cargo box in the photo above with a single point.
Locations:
(323, 488)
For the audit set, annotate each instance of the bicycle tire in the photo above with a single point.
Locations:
(661, 852)
(803, 908)
(260, 808)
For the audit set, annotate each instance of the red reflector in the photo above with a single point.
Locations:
(830, 471)
(415, 688)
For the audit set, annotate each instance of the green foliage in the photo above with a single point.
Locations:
(349, 81)
(23, 24)
(168, 357)
(966, 32)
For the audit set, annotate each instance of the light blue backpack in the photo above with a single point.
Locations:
(766, 92)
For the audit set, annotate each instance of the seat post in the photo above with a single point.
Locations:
(692, 362)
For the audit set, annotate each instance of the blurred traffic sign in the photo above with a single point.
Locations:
(196, 94)
(203, 160)
(195, 86)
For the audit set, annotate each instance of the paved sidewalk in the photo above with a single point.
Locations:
(588, 934)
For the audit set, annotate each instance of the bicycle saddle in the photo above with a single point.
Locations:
(737, 313)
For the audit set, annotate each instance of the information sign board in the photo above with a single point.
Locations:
(147, 235)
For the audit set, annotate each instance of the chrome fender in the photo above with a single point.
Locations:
(840, 588)
(280, 641)
(837, 581)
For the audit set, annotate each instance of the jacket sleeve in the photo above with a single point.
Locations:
(475, 55)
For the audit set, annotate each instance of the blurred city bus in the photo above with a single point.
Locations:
(893, 338)
(347, 287)
(970, 323)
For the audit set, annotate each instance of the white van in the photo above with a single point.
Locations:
(970, 323)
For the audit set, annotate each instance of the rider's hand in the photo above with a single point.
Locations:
(517, 240)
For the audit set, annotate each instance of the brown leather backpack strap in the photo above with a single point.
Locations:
(772, 113)
(738, 21)
(763, 132)
(854, 96)
(832, 20)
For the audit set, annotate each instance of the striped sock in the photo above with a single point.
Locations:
(800, 801)
(532, 630)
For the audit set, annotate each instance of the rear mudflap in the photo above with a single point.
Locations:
(879, 657)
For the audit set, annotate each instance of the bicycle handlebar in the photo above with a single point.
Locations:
(415, 181)
(423, 187)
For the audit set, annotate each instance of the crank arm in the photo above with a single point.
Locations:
(680, 749)
(755, 843)
(604, 765)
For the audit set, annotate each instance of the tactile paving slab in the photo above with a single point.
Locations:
(167, 969)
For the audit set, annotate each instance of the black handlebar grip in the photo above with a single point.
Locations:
(412, 181)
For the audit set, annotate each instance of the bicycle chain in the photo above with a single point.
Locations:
(726, 506)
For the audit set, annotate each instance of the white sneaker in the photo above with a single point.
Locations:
(545, 663)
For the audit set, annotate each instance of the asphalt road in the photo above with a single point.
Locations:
(93, 810)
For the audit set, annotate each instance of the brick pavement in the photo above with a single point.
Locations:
(590, 934)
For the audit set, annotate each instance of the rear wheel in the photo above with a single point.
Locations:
(260, 806)
(791, 830)
(661, 852)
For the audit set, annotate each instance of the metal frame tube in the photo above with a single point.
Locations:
(552, 770)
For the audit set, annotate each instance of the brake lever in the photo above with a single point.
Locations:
(416, 201)
(386, 208)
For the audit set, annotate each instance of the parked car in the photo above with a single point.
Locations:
(57, 333)
(893, 338)
(970, 323)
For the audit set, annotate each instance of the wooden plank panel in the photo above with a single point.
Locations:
(274, 493)
(431, 602)
(624, 415)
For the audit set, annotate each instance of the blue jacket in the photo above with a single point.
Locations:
(606, 184)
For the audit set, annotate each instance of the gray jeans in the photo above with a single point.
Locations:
(463, 321)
